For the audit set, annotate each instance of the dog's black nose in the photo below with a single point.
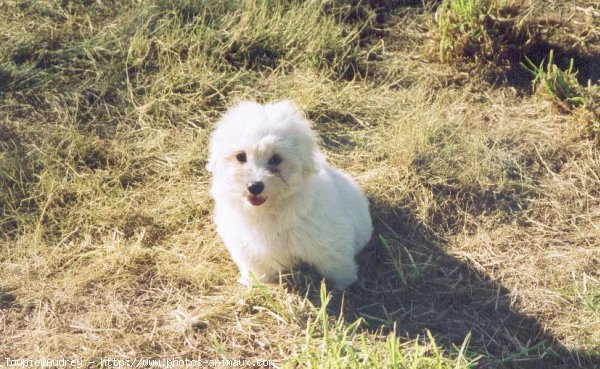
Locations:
(256, 187)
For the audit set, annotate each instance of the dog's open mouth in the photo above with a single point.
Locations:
(256, 200)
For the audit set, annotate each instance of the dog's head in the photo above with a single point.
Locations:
(261, 154)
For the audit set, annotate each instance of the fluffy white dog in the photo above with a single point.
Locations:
(277, 200)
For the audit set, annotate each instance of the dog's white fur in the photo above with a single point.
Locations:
(312, 213)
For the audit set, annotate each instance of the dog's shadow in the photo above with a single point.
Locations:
(407, 280)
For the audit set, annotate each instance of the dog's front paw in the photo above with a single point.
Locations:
(244, 281)
(341, 285)
(341, 274)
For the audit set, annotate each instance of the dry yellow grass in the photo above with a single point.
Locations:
(486, 199)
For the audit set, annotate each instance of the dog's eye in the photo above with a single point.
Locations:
(241, 157)
(275, 160)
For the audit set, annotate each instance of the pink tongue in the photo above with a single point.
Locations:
(256, 201)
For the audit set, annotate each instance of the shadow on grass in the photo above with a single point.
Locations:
(585, 63)
(408, 280)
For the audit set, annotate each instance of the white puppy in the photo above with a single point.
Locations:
(277, 200)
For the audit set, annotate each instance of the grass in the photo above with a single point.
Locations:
(563, 89)
(462, 29)
(590, 294)
(336, 344)
(555, 83)
(484, 197)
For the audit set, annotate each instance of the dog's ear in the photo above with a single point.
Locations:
(312, 166)
(287, 111)
(211, 160)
